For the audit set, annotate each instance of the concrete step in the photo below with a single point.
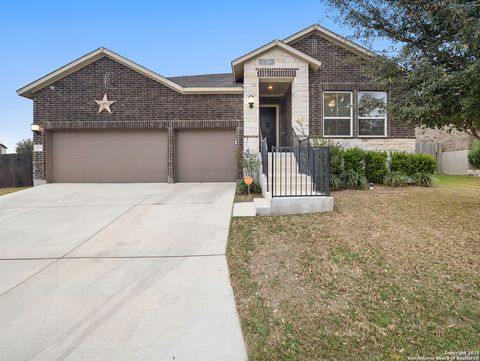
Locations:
(244, 209)
(262, 206)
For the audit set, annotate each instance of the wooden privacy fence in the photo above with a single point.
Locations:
(16, 170)
(431, 148)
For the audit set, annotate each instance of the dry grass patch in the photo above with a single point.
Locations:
(390, 273)
(4, 191)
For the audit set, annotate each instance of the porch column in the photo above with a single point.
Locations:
(251, 115)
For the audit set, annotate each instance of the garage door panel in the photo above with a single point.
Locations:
(108, 156)
(206, 155)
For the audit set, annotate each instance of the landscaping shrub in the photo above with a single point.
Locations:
(401, 162)
(474, 154)
(353, 168)
(411, 163)
(424, 163)
(354, 159)
(422, 179)
(353, 180)
(376, 166)
(335, 182)
(336, 159)
(396, 179)
(242, 188)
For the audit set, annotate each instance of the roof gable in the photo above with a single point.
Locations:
(28, 90)
(330, 36)
(237, 64)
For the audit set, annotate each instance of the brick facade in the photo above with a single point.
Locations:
(341, 70)
(140, 102)
(144, 103)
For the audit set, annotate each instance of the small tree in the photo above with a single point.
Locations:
(434, 61)
(249, 162)
(24, 146)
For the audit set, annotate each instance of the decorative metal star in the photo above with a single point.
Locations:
(105, 104)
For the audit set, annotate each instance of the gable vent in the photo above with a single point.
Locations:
(266, 61)
(277, 72)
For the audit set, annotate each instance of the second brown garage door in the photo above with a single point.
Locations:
(206, 155)
(108, 156)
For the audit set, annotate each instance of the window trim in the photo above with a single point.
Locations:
(351, 113)
(384, 117)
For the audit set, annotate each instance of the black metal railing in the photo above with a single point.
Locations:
(300, 171)
(264, 155)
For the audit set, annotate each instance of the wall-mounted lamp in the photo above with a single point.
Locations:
(37, 128)
(251, 101)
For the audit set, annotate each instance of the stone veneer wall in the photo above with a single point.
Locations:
(141, 103)
(383, 144)
(299, 93)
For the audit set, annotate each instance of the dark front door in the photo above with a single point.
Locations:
(268, 125)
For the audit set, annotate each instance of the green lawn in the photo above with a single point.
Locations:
(4, 191)
(391, 273)
(457, 181)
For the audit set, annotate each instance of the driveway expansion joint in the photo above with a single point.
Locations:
(113, 257)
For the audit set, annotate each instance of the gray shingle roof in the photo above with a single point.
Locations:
(207, 80)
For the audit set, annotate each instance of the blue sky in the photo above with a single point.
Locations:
(169, 37)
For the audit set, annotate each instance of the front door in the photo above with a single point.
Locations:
(268, 125)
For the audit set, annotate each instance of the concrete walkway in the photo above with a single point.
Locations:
(117, 272)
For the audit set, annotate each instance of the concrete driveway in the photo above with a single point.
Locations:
(117, 272)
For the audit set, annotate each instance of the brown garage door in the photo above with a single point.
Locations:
(108, 156)
(206, 155)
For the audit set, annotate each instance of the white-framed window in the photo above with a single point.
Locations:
(372, 114)
(337, 114)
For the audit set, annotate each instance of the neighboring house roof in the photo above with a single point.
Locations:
(331, 36)
(3, 146)
(207, 80)
(28, 90)
(237, 64)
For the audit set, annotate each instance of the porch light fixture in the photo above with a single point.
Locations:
(37, 128)
(251, 101)
(270, 87)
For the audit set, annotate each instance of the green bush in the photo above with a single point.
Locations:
(376, 166)
(354, 160)
(396, 179)
(424, 163)
(474, 154)
(242, 188)
(336, 159)
(401, 162)
(411, 163)
(353, 180)
(335, 182)
(422, 179)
